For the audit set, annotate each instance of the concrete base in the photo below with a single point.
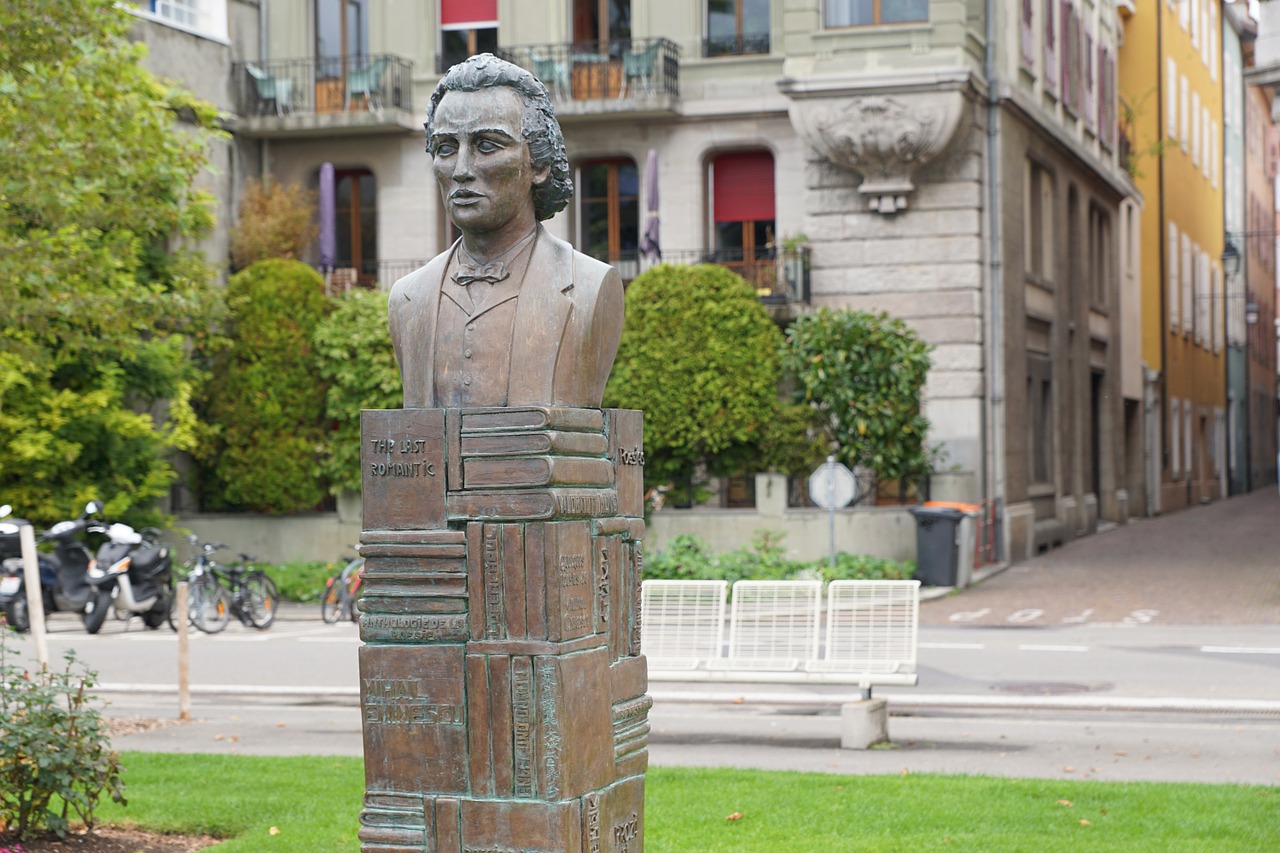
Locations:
(864, 724)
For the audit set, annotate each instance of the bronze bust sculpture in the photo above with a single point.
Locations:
(509, 315)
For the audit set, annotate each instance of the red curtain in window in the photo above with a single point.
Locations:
(742, 186)
(468, 11)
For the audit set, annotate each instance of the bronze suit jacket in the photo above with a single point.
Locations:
(568, 325)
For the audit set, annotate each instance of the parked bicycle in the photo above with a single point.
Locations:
(342, 591)
(216, 592)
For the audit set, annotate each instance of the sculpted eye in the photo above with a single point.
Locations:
(445, 148)
(487, 146)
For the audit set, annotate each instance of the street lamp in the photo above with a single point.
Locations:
(1231, 259)
(1251, 313)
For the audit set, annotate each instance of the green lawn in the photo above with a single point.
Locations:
(313, 803)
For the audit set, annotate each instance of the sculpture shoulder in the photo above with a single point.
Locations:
(417, 285)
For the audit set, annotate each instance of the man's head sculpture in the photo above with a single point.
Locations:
(539, 126)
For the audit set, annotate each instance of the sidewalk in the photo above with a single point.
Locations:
(1217, 564)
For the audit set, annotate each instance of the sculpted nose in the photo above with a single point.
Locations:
(462, 166)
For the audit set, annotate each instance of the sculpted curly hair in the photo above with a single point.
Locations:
(539, 126)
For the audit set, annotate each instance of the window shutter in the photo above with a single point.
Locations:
(1050, 45)
(1171, 286)
(1068, 64)
(455, 12)
(742, 184)
(1188, 270)
(1090, 83)
(1028, 40)
(1273, 151)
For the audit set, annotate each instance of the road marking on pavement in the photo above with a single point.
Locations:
(951, 645)
(970, 615)
(1028, 614)
(1052, 648)
(1082, 617)
(1237, 650)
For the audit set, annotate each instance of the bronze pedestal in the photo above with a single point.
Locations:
(502, 685)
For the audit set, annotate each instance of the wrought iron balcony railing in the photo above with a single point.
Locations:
(778, 275)
(323, 85)
(626, 69)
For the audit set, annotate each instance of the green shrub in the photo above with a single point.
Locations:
(302, 581)
(56, 760)
(864, 373)
(700, 356)
(689, 557)
(266, 400)
(359, 364)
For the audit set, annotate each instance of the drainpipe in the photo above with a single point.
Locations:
(995, 292)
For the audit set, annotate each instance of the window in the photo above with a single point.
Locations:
(599, 23)
(1195, 128)
(1100, 253)
(467, 27)
(742, 199)
(184, 12)
(1039, 225)
(861, 13)
(1171, 98)
(1175, 439)
(1184, 114)
(356, 218)
(1188, 272)
(1026, 35)
(1050, 45)
(1187, 438)
(341, 47)
(609, 210)
(1039, 420)
(1171, 290)
(737, 27)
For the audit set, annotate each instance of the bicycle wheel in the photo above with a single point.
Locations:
(209, 605)
(331, 602)
(260, 599)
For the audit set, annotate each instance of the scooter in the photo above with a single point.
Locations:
(133, 572)
(64, 578)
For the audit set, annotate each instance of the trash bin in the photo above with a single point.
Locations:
(937, 544)
(966, 538)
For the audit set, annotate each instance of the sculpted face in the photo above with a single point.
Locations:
(482, 163)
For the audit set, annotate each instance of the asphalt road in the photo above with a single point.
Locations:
(1110, 659)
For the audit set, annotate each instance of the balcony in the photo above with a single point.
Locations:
(326, 96)
(369, 274)
(780, 277)
(585, 79)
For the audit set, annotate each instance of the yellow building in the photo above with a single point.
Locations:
(1170, 78)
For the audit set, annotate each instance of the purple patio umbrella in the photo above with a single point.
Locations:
(328, 220)
(649, 243)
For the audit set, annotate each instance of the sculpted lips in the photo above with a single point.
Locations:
(463, 196)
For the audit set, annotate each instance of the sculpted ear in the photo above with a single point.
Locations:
(541, 176)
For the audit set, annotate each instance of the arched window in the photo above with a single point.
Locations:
(356, 221)
(609, 210)
(742, 213)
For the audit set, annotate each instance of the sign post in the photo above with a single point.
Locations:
(832, 487)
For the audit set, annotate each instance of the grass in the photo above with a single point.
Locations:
(313, 804)
(302, 581)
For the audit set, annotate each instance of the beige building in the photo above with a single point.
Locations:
(953, 162)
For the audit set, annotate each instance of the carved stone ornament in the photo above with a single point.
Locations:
(885, 138)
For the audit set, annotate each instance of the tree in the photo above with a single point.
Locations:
(99, 294)
(358, 362)
(276, 221)
(265, 399)
(864, 373)
(700, 356)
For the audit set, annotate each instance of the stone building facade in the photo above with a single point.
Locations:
(955, 163)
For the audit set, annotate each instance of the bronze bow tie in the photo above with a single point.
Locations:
(492, 273)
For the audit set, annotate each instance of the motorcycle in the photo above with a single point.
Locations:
(134, 573)
(64, 578)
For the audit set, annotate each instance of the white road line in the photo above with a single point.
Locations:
(951, 645)
(1050, 648)
(1237, 650)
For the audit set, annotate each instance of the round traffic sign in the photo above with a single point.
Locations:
(833, 485)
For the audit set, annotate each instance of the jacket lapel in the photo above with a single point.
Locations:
(420, 332)
(541, 316)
